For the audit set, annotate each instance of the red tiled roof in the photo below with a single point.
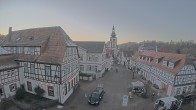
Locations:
(7, 62)
(160, 65)
(54, 39)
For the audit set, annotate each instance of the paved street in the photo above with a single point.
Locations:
(115, 84)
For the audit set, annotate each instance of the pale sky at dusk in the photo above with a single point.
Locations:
(134, 20)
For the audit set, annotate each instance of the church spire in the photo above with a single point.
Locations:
(113, 29)
(113, 32)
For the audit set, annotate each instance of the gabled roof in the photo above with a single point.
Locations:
(91, 46)
(54, 39)
(156, 55)
(7, 62)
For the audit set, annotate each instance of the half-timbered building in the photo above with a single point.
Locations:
(175, 73)
(92, 57)
(9, 77)
(48, 58)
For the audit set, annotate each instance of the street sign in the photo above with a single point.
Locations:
(125, 100)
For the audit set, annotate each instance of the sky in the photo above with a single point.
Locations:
(92, 20)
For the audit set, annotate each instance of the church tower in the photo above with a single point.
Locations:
(113, 39)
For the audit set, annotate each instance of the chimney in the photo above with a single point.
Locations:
(156, 49)
(10, 34)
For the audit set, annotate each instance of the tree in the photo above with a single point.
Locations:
(39, 91)
(20, 94)
(178, 51)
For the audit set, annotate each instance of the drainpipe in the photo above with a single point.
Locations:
(59, 86)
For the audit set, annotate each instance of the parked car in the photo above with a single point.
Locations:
(96, 96)
(136, 90)
(167, 103)
(155, 86)
(187, 97)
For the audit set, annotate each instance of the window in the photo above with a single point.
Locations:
(50, 91)
(69, 86)
(171, 65)
(178, 91)
(189, 89)
(47, 70)
(12, 87)
(81, 57)
(165, 63)
(81, 67)
(65, 88)
(89, 67)
(25, 67)
(68, 68)
(72, 84)
(184, 89)
(31, 50)
(29, 86)
(1, 91)
(96, 58)
(89, 58)
(95, 68)
(32, 68)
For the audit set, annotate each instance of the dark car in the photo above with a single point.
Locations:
(187, 97)
(96, 96)
(137, 90)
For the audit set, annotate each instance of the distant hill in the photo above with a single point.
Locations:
(184, 47)
(130, 46)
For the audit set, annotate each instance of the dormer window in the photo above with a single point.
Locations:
(144, 58)
(147, 58)
(140, 57)
(171, 65)
(150, 59)
(173, 62)
(165, 61)
(158, 59)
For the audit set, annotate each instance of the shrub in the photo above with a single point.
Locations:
(39, 91)
(20, 94)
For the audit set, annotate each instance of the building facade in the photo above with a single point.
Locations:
(9, 75)
(174, 73)
(92, 57)
(47, 58)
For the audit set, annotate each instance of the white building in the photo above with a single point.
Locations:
(92, 57)
(109, 62)
(9, 77)
(124, 57)
(174, 73)
(47, 58)
(111, 46)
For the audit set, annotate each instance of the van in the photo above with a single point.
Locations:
(167, 103)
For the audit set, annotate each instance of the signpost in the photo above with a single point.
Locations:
(125, 100)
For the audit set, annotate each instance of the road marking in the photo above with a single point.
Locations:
(125, 100)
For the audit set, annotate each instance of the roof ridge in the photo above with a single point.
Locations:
(89, 41)
(37, 28)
